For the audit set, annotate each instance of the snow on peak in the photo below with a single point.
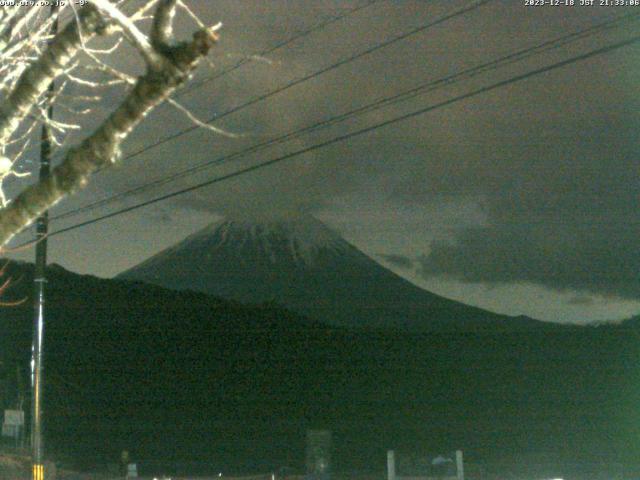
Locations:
(301, 237)
(308, 231)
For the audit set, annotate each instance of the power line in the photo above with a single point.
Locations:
(422, 111)
(386, 101)
(195, 85)
(474, 5)
(282, 138)
(284, 43)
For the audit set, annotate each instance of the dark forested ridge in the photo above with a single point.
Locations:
(184, 376)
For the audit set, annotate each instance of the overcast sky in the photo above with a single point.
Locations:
(521, 200)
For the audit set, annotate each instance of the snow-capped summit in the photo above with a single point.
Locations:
(300, 239)
(303, 265)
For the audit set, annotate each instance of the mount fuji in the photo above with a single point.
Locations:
(303, 265)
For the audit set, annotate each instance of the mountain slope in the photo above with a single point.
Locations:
(185, 377)
(305, 266)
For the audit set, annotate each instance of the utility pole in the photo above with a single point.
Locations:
(42, 226)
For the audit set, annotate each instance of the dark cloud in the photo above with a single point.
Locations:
(581, 300)
(603, 261)
(562, 216)
(556, 179)
(567, 221)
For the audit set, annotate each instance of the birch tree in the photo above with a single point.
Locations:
(31, 58)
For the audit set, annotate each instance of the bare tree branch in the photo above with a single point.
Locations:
(35, 80)
(137, 38)
(162, 28)
(198, 122)
(102, 148)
